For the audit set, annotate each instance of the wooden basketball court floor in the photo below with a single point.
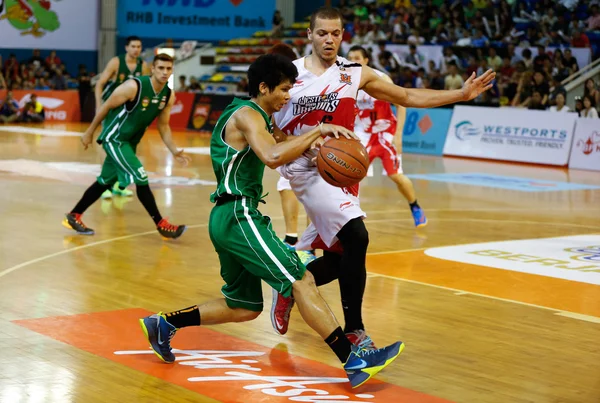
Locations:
(483, 321)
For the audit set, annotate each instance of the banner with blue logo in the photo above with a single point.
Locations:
(194, 19)
(510, 134)
(425, 130)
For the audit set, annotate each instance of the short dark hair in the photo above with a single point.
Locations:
(284, 50)
(326, 13)
(163, 57)
(132, 38)
(357, 48)
(271, 69)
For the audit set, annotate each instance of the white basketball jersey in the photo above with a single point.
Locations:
(328, 98)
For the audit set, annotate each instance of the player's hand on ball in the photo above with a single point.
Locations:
(182, 158)
(317, 143)
(86, 139)
(337, 131)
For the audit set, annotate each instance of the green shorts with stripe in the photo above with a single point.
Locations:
(249, 251)
(122, 165)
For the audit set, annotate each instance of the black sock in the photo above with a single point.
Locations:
(184, 317)
(354, 238)
(339, 343)
(147, 198)
(89, 197)
(414, 205)
(290, 240)
(326, 268)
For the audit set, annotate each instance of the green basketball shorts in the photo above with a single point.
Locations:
(122, 165)
(249, 251)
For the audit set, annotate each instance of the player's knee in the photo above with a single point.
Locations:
(354, 235)
(307, 282)
(246, 315)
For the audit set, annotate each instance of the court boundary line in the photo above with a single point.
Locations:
(459, 292)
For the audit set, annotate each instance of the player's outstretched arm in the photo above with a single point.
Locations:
(252, 125)
(110, 70)
(164, 129)
(378, 88)
(125, 92)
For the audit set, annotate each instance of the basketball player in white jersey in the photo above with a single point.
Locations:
(381, 133)
(325, 92)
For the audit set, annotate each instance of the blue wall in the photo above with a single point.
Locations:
(71, 58)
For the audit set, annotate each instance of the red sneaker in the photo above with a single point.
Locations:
(73, 221)
(280, 312)
(360, 339)
(168, 230)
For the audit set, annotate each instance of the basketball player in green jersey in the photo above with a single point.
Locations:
(134, 105)
(249, 251)
(117, 71)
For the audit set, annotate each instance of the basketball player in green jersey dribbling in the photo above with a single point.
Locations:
(249, 251)
(134, 105)
(118, 70)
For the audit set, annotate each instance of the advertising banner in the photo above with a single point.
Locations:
(585, 153)
(425, 130)
(194, 19)
(59, 106)
(509, 134)
(207, 110)
(180, 112)
(49, 24)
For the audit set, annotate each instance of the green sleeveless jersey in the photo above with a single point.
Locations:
(240, 172)
(123, 74)
(130, 120)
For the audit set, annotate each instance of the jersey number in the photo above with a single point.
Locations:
(142, 172)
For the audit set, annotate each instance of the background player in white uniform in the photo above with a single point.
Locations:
(381, 134)
(325, 92)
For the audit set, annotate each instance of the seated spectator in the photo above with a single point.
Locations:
(453, 80)
(278, 24)
(591, 91)
(194, 85)
(53, 59)
(42, 85)
(414, 57)
(594, 21)
(375, 35)
(33, 111)
(59, 81)
(182, 87)
(493, 60)
(479, 40)
(535, 102)
(526, 56)
(9, 109)
(560, 104)
(571, 62)
(556, 89)
(579, 39)
(588, 110)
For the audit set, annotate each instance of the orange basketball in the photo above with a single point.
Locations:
(342, 162)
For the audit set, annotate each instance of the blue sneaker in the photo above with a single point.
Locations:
(419, 217)
(362, 364)
(305, 256)
(159, 333)
(290, 247)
